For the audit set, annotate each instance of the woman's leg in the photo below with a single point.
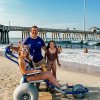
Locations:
(44, 76)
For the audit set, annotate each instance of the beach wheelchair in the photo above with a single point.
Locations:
(29, 90)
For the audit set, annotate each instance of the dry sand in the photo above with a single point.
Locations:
(10, 76)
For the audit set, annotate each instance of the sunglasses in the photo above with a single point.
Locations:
(24, 50)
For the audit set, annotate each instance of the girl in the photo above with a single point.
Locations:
(52, 56)
(23, 54)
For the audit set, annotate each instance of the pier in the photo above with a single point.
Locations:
(67, 35)
(4, 35)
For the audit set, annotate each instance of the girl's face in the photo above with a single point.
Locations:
(24, 51)
(52, 45)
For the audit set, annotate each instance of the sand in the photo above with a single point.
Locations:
(10, 76)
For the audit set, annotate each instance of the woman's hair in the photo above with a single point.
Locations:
(28, 54)
(48, 46)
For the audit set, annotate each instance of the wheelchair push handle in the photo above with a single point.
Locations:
(9, 55)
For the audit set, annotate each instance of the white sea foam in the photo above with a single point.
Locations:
(78, 56)
(2, 50)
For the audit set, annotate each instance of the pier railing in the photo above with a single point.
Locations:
(67, 35)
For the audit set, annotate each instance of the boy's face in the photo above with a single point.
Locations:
(34, 32)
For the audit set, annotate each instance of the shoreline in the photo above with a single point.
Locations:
(78, 67)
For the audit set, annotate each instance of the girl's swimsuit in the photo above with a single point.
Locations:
(51, 56)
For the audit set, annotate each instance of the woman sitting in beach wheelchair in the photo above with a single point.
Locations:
(28, 72)
(27, 89)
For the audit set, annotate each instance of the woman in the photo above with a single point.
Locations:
(52, 56)
(23, 60)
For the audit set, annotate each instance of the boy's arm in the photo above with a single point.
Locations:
(44, 48)
(14, 48)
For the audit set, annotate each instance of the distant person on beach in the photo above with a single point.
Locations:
(81, 43)
(23, 55)
(51, 56)
(66, 46)
(59, 49)
(35, 44)
(19, 43)
(86, 50)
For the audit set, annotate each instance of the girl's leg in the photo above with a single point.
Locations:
(54, 68)
(49, 66)
(44, 76)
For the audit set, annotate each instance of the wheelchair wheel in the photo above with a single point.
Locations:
(21, 80)
(80, 91)
(25, 91)
(37, 85)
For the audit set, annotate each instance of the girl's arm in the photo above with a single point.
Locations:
(58, 59)
(45, 56)
(22, 66)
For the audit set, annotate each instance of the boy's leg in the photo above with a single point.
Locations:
(36, 65)
(43, 64)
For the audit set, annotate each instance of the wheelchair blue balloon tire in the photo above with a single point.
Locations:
(25, 91)
(78, 91)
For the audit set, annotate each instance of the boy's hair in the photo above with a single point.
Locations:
(34, 27)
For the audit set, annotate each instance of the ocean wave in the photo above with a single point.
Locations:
(75, 55)
(78, 56)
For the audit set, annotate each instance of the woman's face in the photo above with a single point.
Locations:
(52, 45)
(24, 51)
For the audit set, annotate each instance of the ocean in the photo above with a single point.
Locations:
(71, 52)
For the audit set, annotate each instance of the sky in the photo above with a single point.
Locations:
(50, 13)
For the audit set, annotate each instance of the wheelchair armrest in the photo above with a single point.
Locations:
(38, 68)
(33, 73)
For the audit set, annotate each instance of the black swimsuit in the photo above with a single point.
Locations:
(29, 66)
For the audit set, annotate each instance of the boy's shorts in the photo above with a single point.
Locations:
(41, 64)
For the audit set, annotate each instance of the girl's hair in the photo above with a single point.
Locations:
(48, 46)
(28, 54)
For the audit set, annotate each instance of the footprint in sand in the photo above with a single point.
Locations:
(10, 79)
(14, 85)
(5, 74)
(2, 79)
